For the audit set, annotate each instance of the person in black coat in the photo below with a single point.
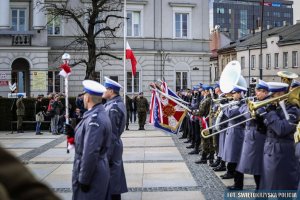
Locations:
(129, 109)
(39, 114)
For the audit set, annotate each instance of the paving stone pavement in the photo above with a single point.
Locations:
(157, 165)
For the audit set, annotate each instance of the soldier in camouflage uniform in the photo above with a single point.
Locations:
(20, 113)
(142, 108)
(204, 109)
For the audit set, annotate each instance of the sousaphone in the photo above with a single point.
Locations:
(231, 76)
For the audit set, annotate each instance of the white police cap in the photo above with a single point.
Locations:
(262, 85)
(93, 87)
(112, 84)
(277, 87)
(238, 88)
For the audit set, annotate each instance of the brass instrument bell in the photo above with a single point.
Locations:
(287, 77)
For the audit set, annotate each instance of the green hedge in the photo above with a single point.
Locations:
(9, 112)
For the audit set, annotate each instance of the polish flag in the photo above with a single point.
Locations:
(130, 55)
(66, 70)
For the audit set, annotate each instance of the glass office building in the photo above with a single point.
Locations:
(241, 17)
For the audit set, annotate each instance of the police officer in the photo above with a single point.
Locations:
(280, 169)
(194, 121)
(92, 140)
(204, 109)
(255, 136)
(142, 109)
(297, 144)
(295, 84)
(117, 114)
(234, 139)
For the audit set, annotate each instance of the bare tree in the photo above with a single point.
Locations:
(97, 23)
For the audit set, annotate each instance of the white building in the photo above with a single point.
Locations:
(170, 40)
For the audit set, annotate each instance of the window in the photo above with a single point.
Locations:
(268, 61)
(98, 77)
(53, 82)
(181, 80)
(133, 83)
(295, 59)
(114, 78)
(288, 15)
(220, 10)
(285, 60)
(181, 25)
(243, 62)
(134, 24)
(54, 25)
(229, 11)
(253, 62)
(243, 23)
(276, 14)
(18, 19)
(277, 24)
(276, 56)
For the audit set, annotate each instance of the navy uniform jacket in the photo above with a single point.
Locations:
(91, 167)
(280, 165)
(253, 147)
(117, 114)
(234, 136)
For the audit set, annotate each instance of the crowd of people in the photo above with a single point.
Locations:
(259, 141)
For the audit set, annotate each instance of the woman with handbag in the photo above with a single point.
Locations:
(39, 114)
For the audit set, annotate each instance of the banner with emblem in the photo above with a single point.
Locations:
(167, 113)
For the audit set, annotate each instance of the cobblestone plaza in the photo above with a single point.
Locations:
(157, 165)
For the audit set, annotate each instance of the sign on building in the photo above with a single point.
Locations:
(39, 81)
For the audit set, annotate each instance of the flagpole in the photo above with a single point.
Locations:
(124, 51)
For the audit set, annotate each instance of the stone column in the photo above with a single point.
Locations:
(39, 17)
(4, 14)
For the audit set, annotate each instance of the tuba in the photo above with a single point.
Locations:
(231, 76)
(287, 77)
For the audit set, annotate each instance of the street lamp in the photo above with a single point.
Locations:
(261, 40)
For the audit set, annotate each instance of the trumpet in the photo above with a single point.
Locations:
(293, 97)
(218, 101)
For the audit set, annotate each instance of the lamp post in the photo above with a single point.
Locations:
(261, 40)
(66, 60)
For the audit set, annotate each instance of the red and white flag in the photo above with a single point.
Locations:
(130, 55)
(66, 70)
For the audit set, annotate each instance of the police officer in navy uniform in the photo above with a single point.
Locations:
(117, 114)
(91, 175)
(280, 169)
(234, 138)
(255, 136)
(194, 121)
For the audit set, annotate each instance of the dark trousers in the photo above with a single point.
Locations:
(20, 122)
(133, 115)
(183, 127)
(116, 197)
(196, 133)
(238, 176)
(128, 113)
(257, 180)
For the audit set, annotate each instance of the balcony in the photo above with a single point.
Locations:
(21, 40)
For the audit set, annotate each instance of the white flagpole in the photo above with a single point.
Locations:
(124, 56)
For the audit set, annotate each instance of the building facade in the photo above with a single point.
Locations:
(280, 52)
(170, 40)
(242, 17)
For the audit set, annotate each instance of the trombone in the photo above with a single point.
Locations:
(292, 97)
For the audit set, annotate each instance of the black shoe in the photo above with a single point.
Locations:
(219, 168)
(216, 163)
(38, 133)
(190, 146)
(227, 176)
(127, 129)
(194, 152)
(201, 162)
(233, 187)
(188, 141)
